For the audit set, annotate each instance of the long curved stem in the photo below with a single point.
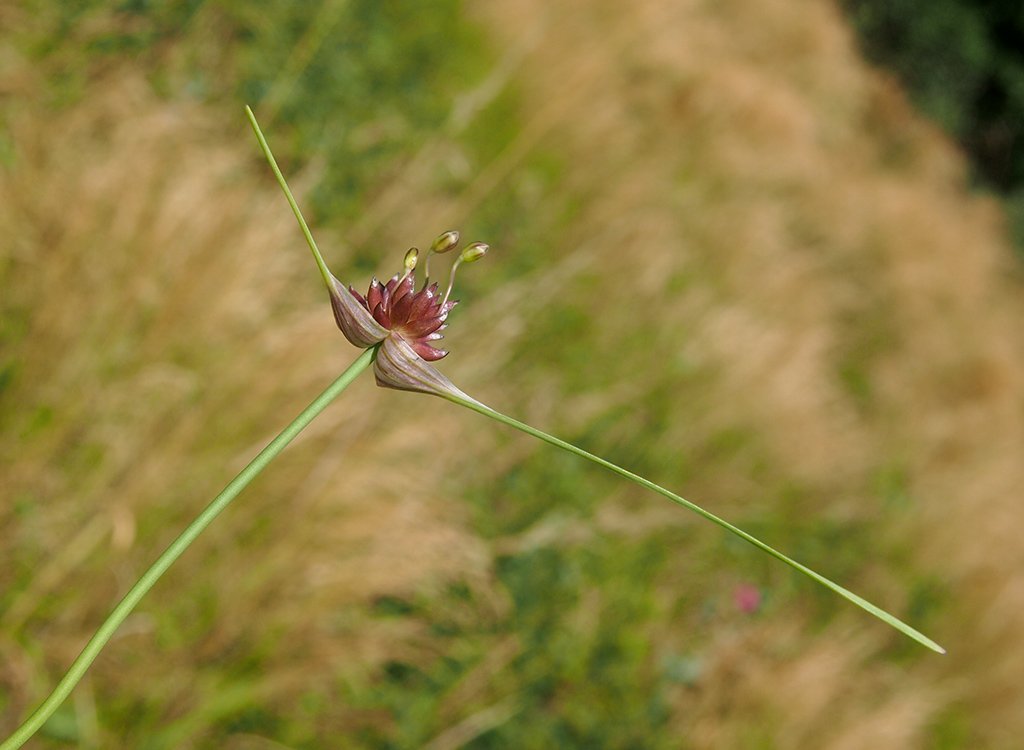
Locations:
(269, 155)
(175, 550)
(864, 604)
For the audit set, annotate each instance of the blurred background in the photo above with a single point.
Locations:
(730, 253)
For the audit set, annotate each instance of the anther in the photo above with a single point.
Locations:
(443, 243)
(471, 254)
(411, 257)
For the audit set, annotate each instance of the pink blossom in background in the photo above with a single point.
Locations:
(747, 598)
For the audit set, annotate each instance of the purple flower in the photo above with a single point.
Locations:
(403, 321)
(416, 317)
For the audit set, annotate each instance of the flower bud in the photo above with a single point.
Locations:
(445, 242)
(474, 252)
(410, 259)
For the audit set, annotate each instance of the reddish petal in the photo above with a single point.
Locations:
(403, 289)
(359, 297)
(401, 308)
(381, 315)
(425, 301)
(373, 296)
(420, 328)
(427, 352)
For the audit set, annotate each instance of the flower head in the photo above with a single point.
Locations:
(405, 322)
(417, 317)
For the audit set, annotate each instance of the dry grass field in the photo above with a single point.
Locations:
(728, 255)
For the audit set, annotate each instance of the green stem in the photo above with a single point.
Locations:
(175, 550)
(878, 612)
(324, 272)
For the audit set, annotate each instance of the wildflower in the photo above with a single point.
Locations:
(747, 598)
(404, 322)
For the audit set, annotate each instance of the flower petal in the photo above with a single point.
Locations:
(401, 308)
(399, 366)
(427, 352)
(373, 295)
(402, 289)
(353, 319)
(381, 315)
(421, 305)
(420, 328)
(358, 296)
